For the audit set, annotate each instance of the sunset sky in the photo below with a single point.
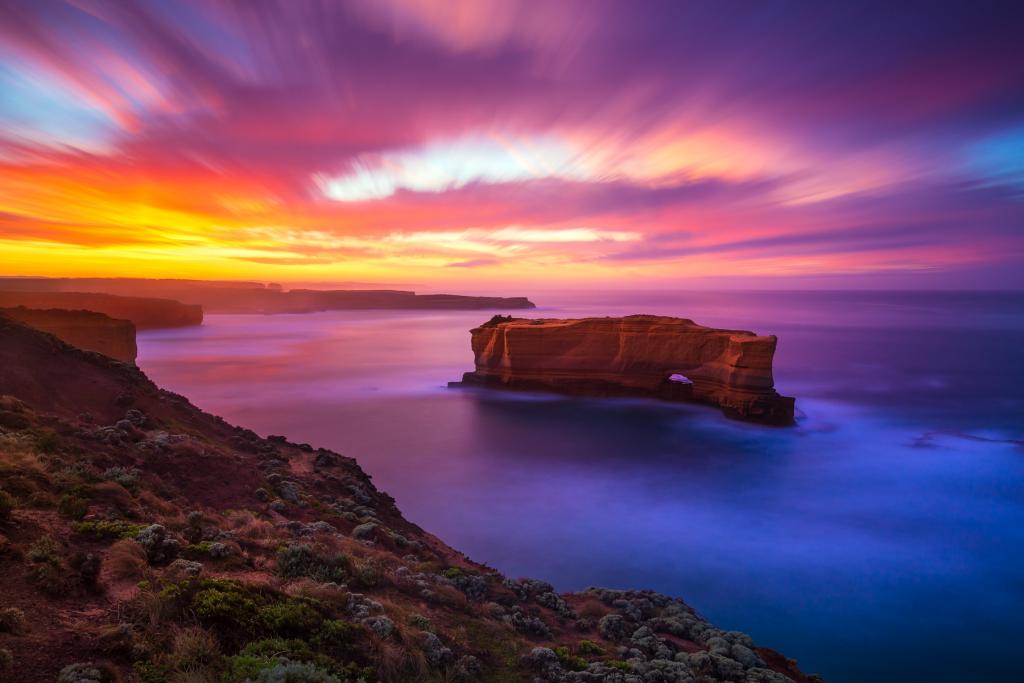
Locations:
(493, 143)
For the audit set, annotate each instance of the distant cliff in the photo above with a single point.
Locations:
(639, 355)
(144, 313)
(83, 329)
(255, 297)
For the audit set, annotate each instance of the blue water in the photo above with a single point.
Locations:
(881, 539)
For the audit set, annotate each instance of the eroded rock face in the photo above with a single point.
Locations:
(84, 329)
(638, 355)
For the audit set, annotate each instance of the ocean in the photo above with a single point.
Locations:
(880, 539)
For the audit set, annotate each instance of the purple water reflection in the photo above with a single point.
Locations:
(885, 528)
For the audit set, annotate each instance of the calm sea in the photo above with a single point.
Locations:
(881, 539)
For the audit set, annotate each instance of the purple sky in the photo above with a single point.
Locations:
(490, 142)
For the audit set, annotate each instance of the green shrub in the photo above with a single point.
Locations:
(46, 566)
(278, 647)
(226, 607)
(6, 505)
(108, 528)
(296, 672)
(453, 573)
(44, 550)
(300, 560)
(148, 672)
(589, 647)
(570, 661)
(420, 622)
(245, 667)
(73, 506)
(336, 636)
(127, 477)
(620, 664)
(291, 618)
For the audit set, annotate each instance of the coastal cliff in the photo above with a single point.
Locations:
(86, 330)
(638, 355)
(144, 312)
(254, 297)
(143, 539)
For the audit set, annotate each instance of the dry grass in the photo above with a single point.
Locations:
(154, 502)
(125, 560)
(592, 608)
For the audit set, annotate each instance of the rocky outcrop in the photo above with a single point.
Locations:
(143, 312)
(638, 355)
(84, 329)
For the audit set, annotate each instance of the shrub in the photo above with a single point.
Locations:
(6, 505)
(589, 647)
(299, 560)
(292, 618)
(419, 621)
(107, 528)
(149, 672)
(12, 620)
(160, 547)
(570, 661)
(46, 566)
(127, 477)
(296, 672)
(86, 672)
(194, 648)
(6, 661)
(73, 506)
(336, 636)
(87, 568)
(244, 667)
(227, 606)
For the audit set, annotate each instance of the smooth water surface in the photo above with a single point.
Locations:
(881, 539)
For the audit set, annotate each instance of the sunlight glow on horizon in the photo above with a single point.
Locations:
(506, 142)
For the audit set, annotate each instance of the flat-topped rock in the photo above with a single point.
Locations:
(638, 355)
(85, 330)
(144, 312)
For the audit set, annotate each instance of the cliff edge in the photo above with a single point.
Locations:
(87, 330)
(144, 312)
(639, 355)
(142, 539)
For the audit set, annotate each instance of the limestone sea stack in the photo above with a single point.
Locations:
(638, 355)
(87, 330)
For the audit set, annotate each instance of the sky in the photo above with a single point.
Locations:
(508, 143)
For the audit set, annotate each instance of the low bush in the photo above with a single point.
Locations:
(127, 477)
(107, 528)
(73, 505)
(292, 618)
(296, 672)
(570, 661)
(300, 560)
(589, 647)
(6, 661)
(194, 648)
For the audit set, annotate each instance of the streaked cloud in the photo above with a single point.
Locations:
(577, 140)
